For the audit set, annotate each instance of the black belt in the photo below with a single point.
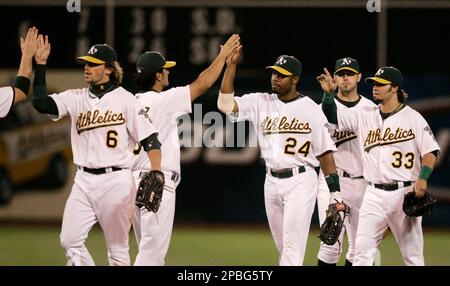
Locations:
(99, 171)
(174, 176)
(347, 175)
(287, 173)
(391, 187)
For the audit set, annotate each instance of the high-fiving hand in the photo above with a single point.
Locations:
(231, 49)
(29, 45)
(43, 50)
(326, 81)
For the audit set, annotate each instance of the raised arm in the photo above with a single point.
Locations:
(41, 101)
(28, 47)
(328, 105)
(226, 102)
(209, 76)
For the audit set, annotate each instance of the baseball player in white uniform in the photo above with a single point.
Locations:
(398, 154)
(294, 141)
(153, 231)
(107, 121)
(19, 91)
(348, 163)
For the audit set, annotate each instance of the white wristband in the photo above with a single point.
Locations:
(225, 102)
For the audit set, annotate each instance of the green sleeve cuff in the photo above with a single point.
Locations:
(425, 173)
(333, 182)
(329, 107)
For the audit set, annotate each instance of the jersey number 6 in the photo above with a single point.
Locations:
(291, 143)
(111, 139)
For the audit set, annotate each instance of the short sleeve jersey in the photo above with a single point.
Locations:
(290, 134)
(104, 131)
(391, 148)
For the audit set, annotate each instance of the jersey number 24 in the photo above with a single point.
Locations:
(291, 143)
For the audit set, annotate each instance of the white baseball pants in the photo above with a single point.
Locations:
(289, 206)
(106, 199)
(382, 209)
(154, 231)
(352, 192)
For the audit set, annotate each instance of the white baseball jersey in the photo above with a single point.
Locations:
(348, 159)
(6, 100)
(348, 155)
(104, 131)
(391, 148)
(164, 108)
(290, 134)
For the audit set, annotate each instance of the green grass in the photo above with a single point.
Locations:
(196, 246)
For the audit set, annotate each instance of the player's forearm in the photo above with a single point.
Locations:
(41, 101)
(22, 82)
(154, 156)
(212, 73)
(208, 77)
(428, 162)
(26, 66)
(327, 164)
(329, 107)
(227, 85)
(329, 171)
(225, 101)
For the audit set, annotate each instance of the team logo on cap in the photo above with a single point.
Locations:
(379, 72)
(92, 51)
(281, 61)
(346, 61)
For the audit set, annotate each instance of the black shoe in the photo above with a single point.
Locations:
(321, 263)
(348, 263)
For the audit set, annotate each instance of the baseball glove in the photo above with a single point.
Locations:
(332, 226)
(150, 190)
(413, 206)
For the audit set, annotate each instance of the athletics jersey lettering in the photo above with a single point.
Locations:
(114, 122)
(374, 138)
(342, 136)
(95, 119)
(283, 125)
(290, 134)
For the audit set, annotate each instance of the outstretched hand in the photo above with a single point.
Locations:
(232, 45)
(234, 58)
(43, 50)
(326, 81)
(29, 45)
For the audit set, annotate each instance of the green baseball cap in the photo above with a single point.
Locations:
(346, 64)
(387, 75)
(287, 65)
(100, 54)
(152, 62)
